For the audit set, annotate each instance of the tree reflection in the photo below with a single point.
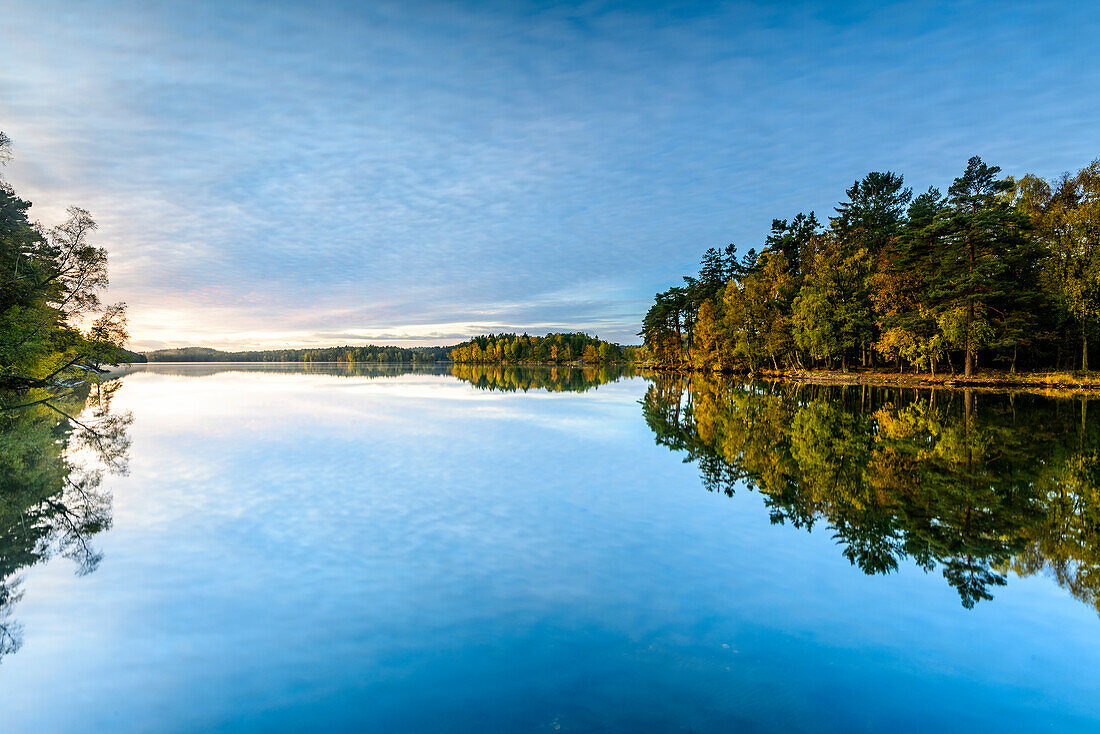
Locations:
(973, 484)
(508, 378)
(553, 379)
(54, 452)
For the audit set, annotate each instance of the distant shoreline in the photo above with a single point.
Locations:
(398, 363)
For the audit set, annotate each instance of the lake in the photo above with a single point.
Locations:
(284, 548)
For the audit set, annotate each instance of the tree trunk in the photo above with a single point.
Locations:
(1084, 348)
(1081, 435)
(679, 339)
(968, 369)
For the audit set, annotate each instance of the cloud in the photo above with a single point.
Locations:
(297, 172)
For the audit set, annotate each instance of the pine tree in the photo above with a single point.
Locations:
(980, 252)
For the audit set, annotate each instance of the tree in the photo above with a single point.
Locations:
(51, 285)
(1066, 218)
(663, 324)
(832, 314)
(795, 240)
(907, 318)
(716, 268)
(874, 212)
(980, 244)
(489, 349)
(706, 348)
(996, 268)
(758, 310)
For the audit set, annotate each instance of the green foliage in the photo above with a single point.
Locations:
(488, 349)
(874, 212)
(757, 311)
(1066, 217)
(50, 282)
(997, 270)
(550, 349)
(346, 354)
(831, 316)
(706, 349)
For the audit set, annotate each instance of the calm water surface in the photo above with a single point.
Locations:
(372, 550)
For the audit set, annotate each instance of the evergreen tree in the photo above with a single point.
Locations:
(795, 240)
(981, 247)
(874, 212)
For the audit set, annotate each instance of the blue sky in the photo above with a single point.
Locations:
(279, 173)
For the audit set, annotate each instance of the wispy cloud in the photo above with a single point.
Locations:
(312, 172)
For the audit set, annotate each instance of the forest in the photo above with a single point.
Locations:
(346, 354)
(488, 349)
(54, 329)
(549, 349)
(997, 273)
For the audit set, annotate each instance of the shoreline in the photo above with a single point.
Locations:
(988, 380)
(985, 380)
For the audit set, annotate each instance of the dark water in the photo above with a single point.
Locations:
(223, 548)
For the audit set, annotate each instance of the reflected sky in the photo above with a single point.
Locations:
(307, 552)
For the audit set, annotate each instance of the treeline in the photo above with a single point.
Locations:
(487, 349)
(53, 326)
(388, 355)
(997, 272)
(974, 485)
(549, 349)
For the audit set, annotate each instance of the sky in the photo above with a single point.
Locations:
(270, 174)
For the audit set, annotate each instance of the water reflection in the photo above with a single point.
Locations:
(54, 452)
(505, 378)
(977, 485)
(332, 369)
(553, 379)
(414, 554)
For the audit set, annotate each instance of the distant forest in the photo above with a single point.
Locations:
(489, 349)
(999, 272)
(392, 355)
(549, 349)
